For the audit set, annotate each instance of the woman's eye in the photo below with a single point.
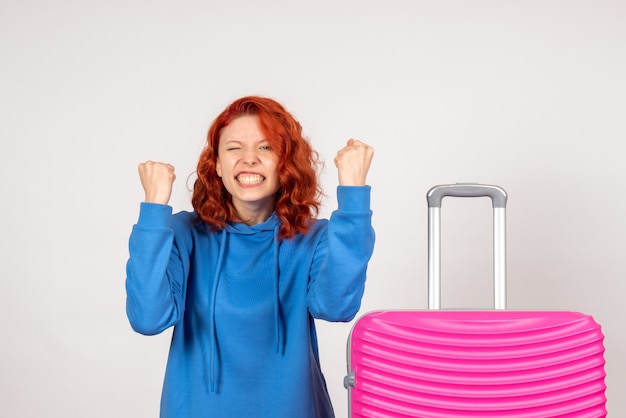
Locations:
(265, 147)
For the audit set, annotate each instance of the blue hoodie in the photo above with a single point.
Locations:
(243, 303)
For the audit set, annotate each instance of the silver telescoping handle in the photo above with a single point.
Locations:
(498, 198)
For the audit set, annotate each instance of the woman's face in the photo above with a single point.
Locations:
(248, 168)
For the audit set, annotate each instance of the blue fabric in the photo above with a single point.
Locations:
(243, 305)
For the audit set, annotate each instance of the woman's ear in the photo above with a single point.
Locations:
(218, 168)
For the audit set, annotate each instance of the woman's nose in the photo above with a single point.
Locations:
(250, 157)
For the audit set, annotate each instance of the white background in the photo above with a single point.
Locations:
(529, 95)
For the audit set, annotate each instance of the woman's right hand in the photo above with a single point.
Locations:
(157, 180)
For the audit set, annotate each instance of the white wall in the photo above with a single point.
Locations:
(529, 95)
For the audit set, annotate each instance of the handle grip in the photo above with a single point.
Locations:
(497, 194)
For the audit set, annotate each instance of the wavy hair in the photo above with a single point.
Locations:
(298, 197)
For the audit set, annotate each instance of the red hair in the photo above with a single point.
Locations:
(298, 198)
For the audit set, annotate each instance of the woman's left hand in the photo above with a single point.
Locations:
(353, 162)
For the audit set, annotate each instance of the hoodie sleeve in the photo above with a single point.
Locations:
(154, 272)
(341, 257)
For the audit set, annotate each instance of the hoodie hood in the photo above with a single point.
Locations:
(271, 224)
(240, 228)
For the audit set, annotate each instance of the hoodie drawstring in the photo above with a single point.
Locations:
(278, 323)
(212, 332)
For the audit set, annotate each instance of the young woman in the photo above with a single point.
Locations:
(242, 277)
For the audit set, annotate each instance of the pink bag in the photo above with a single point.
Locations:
(483, 363)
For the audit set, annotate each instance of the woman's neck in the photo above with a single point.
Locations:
(253, 214)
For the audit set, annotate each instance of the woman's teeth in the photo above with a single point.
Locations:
(248, 179)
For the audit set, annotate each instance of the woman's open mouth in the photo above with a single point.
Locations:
(249, 179)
